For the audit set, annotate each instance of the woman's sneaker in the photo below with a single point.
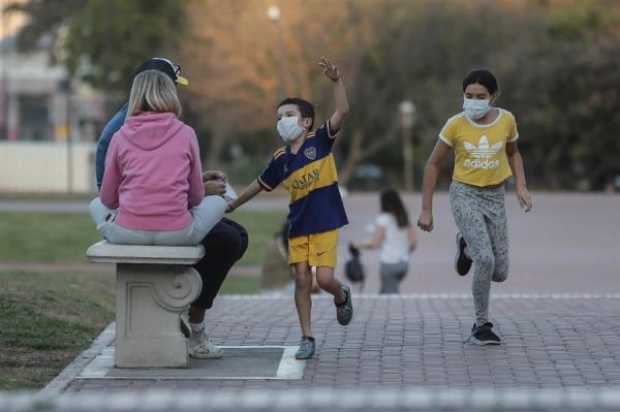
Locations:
(484, 335)
(306, 348)
(344, 311)
(462, 262)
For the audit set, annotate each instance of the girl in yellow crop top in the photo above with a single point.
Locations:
(484, 141)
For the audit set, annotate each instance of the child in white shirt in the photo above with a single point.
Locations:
(397, 239)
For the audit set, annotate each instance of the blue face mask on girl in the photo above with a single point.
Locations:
(475, 108)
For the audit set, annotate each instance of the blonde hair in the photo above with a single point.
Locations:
(153, 91)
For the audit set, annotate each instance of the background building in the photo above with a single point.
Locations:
(48, 123)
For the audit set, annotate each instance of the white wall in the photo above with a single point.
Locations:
(41, 167)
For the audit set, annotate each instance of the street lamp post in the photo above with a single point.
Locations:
(65, 88)
(274, 14)
(407, 120)
(4, 133)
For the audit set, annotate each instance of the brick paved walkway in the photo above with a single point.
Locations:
(549, 342)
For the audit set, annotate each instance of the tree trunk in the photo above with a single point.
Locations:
(353, 158)
(216, 146)
(356, 154)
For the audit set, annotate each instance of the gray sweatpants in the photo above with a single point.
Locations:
(391, 276)
(480, 216)
(204, 217)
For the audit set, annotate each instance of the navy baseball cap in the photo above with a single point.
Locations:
(165, 66)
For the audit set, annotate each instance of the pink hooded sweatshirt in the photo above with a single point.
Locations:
(153, 173)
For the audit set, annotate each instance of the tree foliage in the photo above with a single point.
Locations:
(103, 41)
(111, 37)
(557, 61)
(45, 18)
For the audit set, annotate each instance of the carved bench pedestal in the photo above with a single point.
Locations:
(154, 285)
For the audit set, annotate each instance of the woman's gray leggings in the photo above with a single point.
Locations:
(480, 216)
(204, 217)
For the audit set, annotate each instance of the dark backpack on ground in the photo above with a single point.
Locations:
(353, 269)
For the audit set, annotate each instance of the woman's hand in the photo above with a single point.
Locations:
(524, 197)
(214, 175)
(425, 221)
(215, 187)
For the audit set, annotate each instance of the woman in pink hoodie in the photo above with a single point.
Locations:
(152, 191)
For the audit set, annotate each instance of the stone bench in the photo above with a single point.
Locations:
(154, 285)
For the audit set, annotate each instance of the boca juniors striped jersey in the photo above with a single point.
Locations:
(311, 179)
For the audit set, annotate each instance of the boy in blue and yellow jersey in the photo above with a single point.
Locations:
(306, 168)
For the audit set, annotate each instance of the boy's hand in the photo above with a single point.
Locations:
(231, 207)
(330, 70)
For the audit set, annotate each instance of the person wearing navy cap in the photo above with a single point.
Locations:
(224, 245)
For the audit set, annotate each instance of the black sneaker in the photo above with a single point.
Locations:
(462, 263)
(344, 311)
(484, 335)
(306, 348)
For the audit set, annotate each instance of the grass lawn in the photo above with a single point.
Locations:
(46, 319)
(48, 237)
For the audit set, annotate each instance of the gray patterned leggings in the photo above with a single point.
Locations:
(480, 216)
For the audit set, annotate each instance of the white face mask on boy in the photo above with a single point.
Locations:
(289, 128)
(476, 109)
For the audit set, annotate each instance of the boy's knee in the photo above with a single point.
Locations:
(323, 281)
(303, 279)
(324, 278)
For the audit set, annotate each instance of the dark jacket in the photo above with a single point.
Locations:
(113, 125)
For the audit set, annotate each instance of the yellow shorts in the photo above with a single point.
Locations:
(318, 249)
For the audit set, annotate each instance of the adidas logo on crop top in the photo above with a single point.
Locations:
(311, 179)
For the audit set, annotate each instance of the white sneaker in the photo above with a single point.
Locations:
(204, 349)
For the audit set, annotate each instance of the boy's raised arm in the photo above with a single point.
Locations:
(332, 72)
(248, 193)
